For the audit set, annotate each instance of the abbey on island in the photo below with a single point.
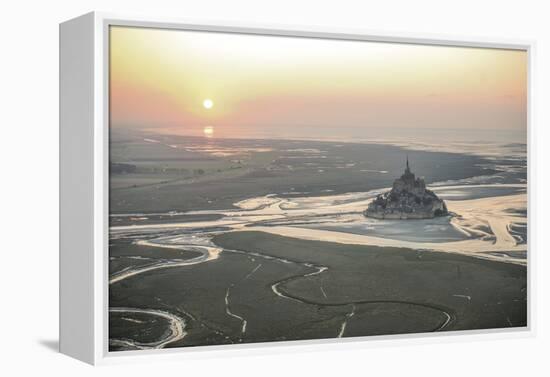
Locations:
(408, 199)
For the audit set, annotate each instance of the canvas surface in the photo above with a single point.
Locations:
(270, 188)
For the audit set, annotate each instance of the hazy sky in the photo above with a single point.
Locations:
(161, 78)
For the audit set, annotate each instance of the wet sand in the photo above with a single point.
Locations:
(468, 289)
(264, 287)
(277, 249)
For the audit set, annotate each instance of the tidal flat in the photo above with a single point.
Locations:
(179, 174)
(265, 287)
(241, 241)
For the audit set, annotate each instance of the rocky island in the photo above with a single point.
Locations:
(408, 199)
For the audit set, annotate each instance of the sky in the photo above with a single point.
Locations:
(239, 85)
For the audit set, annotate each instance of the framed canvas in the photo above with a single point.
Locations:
(227, 188)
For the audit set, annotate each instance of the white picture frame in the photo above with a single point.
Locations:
(84, 190)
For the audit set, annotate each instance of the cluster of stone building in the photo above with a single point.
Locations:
(408, 199)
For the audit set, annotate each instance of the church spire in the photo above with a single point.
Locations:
(407, 170)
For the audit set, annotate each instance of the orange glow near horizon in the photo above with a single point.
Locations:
(185, 79)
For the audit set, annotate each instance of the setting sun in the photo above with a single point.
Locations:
(208, 103)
